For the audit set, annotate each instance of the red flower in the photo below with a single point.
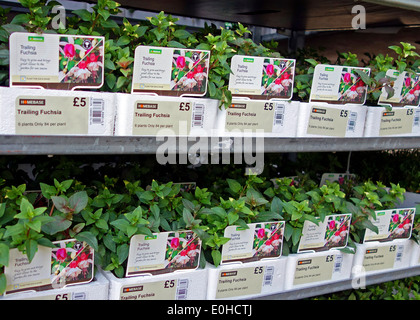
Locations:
(331, 224)
(278, 81)
(82, 64)
(395, 218)
(353, 88)
(285, 76)
(270, 70)
(268, 242)
(407, 82)
(183, 253)
(190, 75)
(180, 62)
(73, 264)
(174, 243)
(92, 58)
(347, 77)
(261, 233)
(69, 50)
(199, 68)
(61, 254)
(275, 236)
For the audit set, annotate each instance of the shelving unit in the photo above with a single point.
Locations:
(286, 19)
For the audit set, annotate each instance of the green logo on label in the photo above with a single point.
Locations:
(380, 214)
(248, 59)
(329, 69)
(155, 51)
(36, 39)
(150, 237)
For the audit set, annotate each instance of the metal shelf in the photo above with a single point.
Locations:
(91, 145)
(336, 286)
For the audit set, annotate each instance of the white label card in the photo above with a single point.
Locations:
(261, 240)
(392, 224)
(333, 233)
(262, 77)
(170, 71)
(336, 177)
(163, 253)
(70, 262)
(338, 84)
(54, 61)
(406, 89)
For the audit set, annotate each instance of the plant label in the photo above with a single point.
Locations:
(333, 122)
(59, 115)
(170, 71)
(262, 77)
(316, 269)
(338, 85)
(167, 117)
(55, 61)
(406, 87)
(400, 121)
(69, 263)
(335, 177)
(163, 252)
(332, 233)
(260, 241)
(243, 281)
(253, 115)
(383, 257)
(170, 289)
(392, 224)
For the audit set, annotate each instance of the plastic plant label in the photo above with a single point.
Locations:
(69, 263)
(399, 121)
(392, 224)
(59, 115)
(170, 71)
(55, 61)
(335, 177)
(332, 122)
(186, 186)
(316, 269)
(333, 233)
(383, 257)
(262, 77)
(170, 289)
(167, 117)
(163, 252)
(243, 281)
(260, 241)
(338, 85)
(253, 115)
(406, 87)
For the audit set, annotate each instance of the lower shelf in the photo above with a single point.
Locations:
(343, 285)
(77, 145)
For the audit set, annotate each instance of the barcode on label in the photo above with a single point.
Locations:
(338, 263)
(399, 254)
(351, 124)
(279, 114)
(197, 118)
(268, 276)
(97, 111)
(416, 122)
(79, 296)
(182, 289)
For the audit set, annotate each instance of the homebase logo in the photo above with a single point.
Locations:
(203, 147)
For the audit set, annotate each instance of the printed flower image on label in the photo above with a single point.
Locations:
(268, 239)
(352, 88)
(277, 78)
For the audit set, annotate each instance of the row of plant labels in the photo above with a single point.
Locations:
(70, 62)
(71, 261)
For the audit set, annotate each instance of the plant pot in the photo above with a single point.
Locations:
(329, 120)
(97, 289)
(312, 269)
(56, 112)
(248, 280)
(181, 285)
(148, 115)
(396, 123)
(268, 118)
(415, 255)
(376, 257)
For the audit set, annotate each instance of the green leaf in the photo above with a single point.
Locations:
(83, 14)
(234, 185)
(122, 252)
(61, 204)
(89, 238)
(217, 257)
(31, 247)
(296, 235)
(3, 283)
(123, 41)
(4, 254)
(78, 201)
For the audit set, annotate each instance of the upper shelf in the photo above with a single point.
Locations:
(289, 14)
(84, 145)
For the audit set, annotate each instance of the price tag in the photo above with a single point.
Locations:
(399, 121)
(329, 121)
(316, 269)
(383, 257)
(170, 289)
